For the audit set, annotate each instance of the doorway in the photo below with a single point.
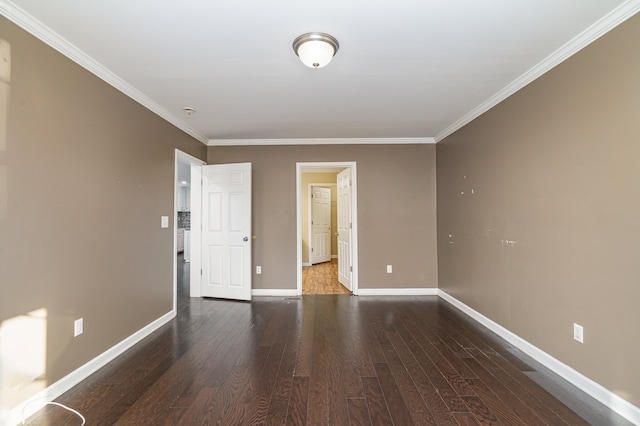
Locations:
(348, 261)
(186, 199)
(320, 241)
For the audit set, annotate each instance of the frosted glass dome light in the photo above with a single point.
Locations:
(315, 50)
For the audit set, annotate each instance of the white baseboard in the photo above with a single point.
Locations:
(597, 391)
(53, 391)
(306, 264)
(397, 292)
(280, 292)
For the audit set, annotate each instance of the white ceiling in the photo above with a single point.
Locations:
(411, 70)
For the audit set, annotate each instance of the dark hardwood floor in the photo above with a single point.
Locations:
(324, 360)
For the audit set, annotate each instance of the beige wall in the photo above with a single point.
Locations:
(313, 178)
(89, 173)
(539, 212)
(396, 210)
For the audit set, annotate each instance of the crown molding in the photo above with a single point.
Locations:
(36, 28)
(322, 141)
(46, 35)
(582, 40)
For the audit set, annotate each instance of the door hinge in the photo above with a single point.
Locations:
(350, 225)
(200, 271)
(350, 268)
(312, 249)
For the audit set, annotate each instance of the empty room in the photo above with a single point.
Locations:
(346, 213)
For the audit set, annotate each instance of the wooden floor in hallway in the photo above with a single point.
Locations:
(324, 360)
(322, 278)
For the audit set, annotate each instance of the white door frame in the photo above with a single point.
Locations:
(321, 167)
(183, 157)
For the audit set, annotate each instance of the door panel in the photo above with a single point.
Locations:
(344, 228)
(226, 237)
(321, 224)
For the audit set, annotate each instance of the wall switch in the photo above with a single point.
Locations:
(578, 333)
(258, 270)
(78, 327)
(164, 222)
(389, 269)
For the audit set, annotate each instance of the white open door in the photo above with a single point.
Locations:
(226, 231)
(344, 228)
(320, 224)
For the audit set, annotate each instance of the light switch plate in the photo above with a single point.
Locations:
(78, 327)
(164, 222)
(578, 333)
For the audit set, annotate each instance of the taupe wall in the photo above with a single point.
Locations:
(312, 178)
(539, 212)
(396, 210)
(90, 172)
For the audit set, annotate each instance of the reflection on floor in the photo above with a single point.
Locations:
(324, 360)
(322, 278)
(183, 272)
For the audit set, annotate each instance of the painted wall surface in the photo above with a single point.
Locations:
(396, 210)
(87, 175)
(539, 212)
(313, 178)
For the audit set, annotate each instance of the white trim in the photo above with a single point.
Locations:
(398, 292)
(279, 292)
(322, 141)
(53, 391)
(306, 264)
(579, 42)
(48, 36)
(597, 391)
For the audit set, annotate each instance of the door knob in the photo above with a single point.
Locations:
(245, 239)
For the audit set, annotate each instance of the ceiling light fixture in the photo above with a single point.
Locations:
(315, 50)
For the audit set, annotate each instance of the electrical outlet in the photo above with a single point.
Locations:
(78, 327)
(578, 333)
(258, 270)
(389, 269)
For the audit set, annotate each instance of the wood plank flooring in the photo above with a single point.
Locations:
(322, 278)
(324, 360)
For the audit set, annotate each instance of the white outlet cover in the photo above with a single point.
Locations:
(258, 269)
(389, 269)
(578, 333)
(78, 327)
